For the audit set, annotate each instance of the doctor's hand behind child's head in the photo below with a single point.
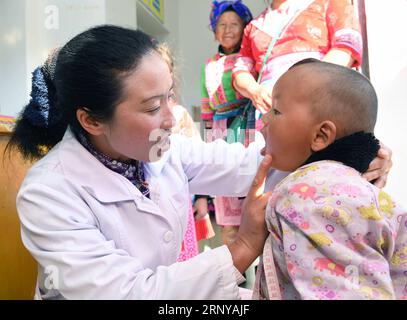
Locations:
(314, 104)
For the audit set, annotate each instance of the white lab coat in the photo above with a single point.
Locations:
(95, 236)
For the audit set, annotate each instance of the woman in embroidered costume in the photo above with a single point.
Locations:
(220, 102)
(332, 234)
(320, 29)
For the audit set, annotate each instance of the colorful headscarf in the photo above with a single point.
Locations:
(219, 7)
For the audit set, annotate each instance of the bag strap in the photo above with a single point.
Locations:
(266, 56)
(270, 48)
(266, 271)
(283, 26)
(270, 273)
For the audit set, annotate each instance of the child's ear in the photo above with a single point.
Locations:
(324, 135)
(89, 123)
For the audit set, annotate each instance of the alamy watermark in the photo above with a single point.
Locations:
(51, 17)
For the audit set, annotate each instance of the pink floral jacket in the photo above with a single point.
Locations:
(333, 235)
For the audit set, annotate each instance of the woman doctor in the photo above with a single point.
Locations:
(105, 210)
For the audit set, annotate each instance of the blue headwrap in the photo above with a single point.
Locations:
(219, 7)
(41, 110)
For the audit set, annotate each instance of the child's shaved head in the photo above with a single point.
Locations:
(340, 94)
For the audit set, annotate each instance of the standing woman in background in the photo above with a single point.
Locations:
(220, 103)
(322, 29)
(288, 31)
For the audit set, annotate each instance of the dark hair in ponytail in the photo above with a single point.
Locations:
(89, 74)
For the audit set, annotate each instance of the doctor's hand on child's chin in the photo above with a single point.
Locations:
(379, 168)
(252, 232)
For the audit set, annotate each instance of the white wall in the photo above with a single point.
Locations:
(386, 29)
(29, 29)
(12, 57)
(121, 12)
(51, 23)
(171, 22)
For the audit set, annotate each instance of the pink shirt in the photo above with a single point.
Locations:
(335, 236)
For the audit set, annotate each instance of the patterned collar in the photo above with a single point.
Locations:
(133, 171)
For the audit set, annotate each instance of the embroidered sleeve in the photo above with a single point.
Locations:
(245, 61)
(206, 110)
(335, 238)
(344, 29)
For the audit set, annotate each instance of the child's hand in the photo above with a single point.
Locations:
(252, 232)
(379, 168)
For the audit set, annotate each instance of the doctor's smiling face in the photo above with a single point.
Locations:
(142, 120)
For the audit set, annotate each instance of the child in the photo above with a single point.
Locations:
(332, 235)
